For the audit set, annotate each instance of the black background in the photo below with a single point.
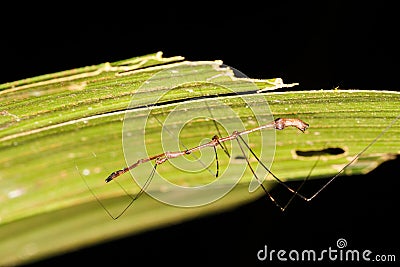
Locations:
(320, 45)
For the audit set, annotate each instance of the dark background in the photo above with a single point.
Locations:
(320, 45)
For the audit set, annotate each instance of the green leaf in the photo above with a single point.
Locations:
(61, 132)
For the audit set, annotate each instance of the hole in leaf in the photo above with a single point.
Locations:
(330, 151)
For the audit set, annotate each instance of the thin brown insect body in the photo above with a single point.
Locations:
(278, 124)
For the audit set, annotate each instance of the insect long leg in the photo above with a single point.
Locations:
(254, 173)
(142, 190)
(296, 193)
(133, 198)
(271, 173)
(219, 132)
(216, 153)
(219, 135)
(217, 162)
(98, 200)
